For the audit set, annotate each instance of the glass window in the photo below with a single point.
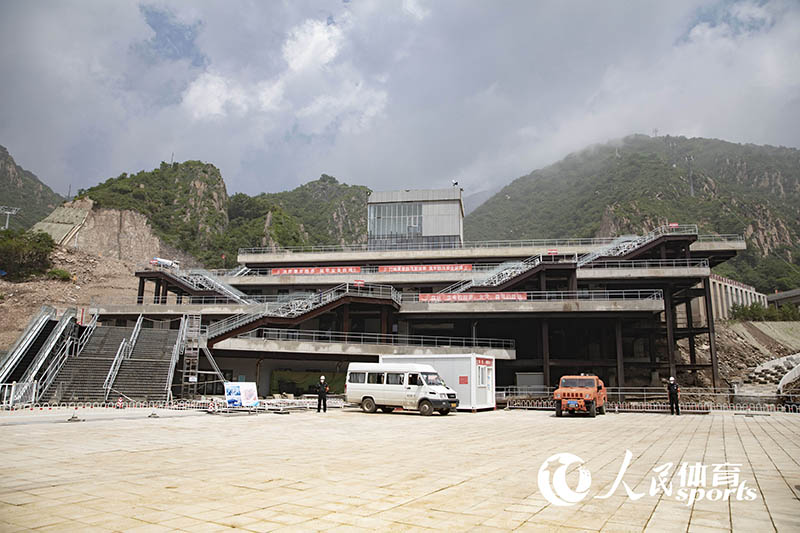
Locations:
(482, 375)
(414, 379)
(375, 378)
(357, 377)
(394, 378)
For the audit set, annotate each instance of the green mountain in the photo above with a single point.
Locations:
(639, 182)
(188, 207)
(23, 189)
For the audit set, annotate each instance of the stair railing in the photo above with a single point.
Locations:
(55, 366)
(112, 372)
(24, 341)
(628, 243)
(80, 344)
(123, 352)
(176, 354)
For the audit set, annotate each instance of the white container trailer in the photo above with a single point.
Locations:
(472, 376)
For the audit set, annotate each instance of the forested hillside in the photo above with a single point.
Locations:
(638, 183)
(21, 188)
(188, 207)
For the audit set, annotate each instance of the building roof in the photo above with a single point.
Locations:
(415, 195)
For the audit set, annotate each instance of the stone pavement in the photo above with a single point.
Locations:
(349, 471)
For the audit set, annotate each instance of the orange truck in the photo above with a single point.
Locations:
(585, 393)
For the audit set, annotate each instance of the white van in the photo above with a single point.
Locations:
(385, 386)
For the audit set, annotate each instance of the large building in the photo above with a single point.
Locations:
(616, 306)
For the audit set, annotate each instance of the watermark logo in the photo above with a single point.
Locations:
(556, 489)
(688, 482)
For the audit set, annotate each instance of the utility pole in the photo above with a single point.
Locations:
(689, 159)
(8, 211)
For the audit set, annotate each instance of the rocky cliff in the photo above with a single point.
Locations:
(24, 190)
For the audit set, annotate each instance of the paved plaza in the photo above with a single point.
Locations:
(350, 471)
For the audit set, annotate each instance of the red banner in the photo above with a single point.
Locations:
(483, 362)
(425, 268)
(302, 271)
(552, 251)
(473, 297)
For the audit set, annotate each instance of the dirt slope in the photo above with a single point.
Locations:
(96, 279)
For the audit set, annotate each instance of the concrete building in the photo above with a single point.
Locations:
(433, 218)
(615, 307)
(726, 292)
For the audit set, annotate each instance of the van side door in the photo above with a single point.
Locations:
(413, 390)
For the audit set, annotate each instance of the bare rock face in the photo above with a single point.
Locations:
(124, 235)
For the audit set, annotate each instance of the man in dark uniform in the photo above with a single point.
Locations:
(322, 394)
(673, 390)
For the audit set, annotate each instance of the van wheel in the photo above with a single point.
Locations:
(387, 409)
(559, 413)
(592, 410)
(444, 412)
(602, 409)
(368, 405)
(425, 408)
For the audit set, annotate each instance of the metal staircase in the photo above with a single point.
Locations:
(203, 280)
(496, 276)
(123, 352)
(628, 243)
(300, 305)
(191, 356)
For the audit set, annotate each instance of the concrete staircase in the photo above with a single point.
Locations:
(143, 376)
(81, 379)
(771, 372)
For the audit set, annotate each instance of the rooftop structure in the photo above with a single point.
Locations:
(415, 217)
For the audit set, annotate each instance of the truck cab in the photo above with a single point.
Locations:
(386, 386)
(584, 393)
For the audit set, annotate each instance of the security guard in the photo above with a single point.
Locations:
(673, 390)
(322, 394)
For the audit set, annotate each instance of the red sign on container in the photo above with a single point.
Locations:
(463, 380)
(483, 362)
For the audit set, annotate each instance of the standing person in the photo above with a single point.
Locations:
(673, 390)
(322, 394)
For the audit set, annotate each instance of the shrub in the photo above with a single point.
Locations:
(24, 254)
(59, 274)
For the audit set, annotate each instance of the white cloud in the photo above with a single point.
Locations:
(297, 89)
(313, 44)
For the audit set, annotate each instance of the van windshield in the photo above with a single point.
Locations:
(577, 382)
(432, 378)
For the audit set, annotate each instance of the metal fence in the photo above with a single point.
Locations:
(539, 296)
(648, 263)
(524, 243)
(278, 334)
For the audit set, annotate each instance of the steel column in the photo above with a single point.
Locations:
(546, 351)
(712, 343)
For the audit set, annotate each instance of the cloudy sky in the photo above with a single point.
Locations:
(389, 94)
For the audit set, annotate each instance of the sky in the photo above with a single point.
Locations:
(392, 94)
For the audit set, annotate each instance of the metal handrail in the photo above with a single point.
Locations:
(648, 263)
(176, 354)
(112, 372)
(523, 243)
(49, 375)
(789, 377)
(134, 335)
(540, 296)
(85, 336)
(301, 305)
(279, 334)
(23, 341)
(626, 244)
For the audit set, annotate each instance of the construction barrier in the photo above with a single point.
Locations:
(183, 405)
(663, 407)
